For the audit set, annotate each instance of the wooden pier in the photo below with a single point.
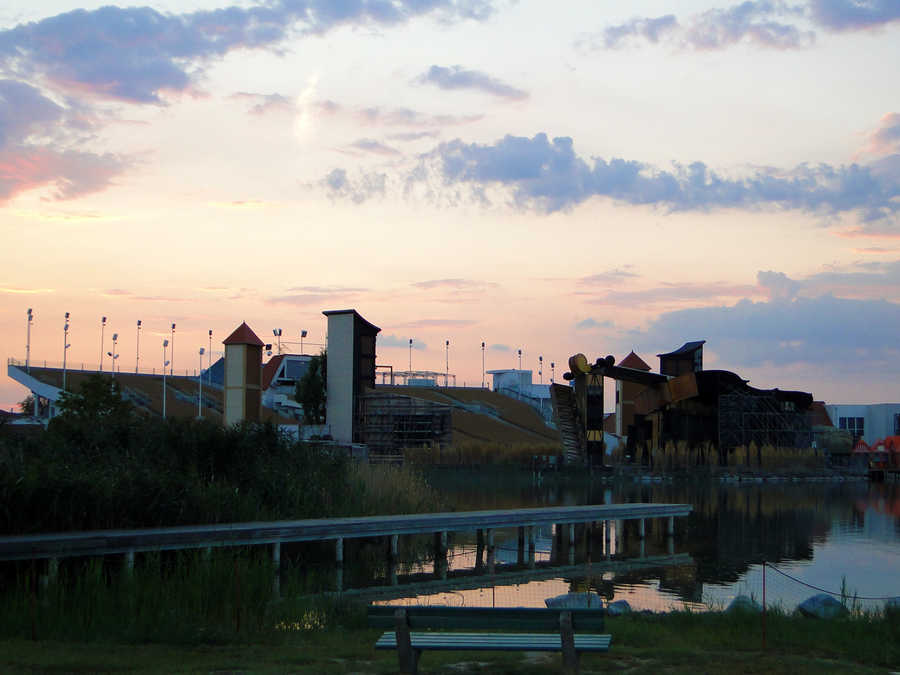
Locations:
(110, 542)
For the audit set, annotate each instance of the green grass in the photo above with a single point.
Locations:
(678, 643)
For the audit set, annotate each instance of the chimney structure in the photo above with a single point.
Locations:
(243, 376)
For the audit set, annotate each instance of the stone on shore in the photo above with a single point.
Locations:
(822, 606)
(743, 603)
(618, 608)
(575, 601)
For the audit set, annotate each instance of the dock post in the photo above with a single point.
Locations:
(440, 554)
(670, 529)
(531, 536)
(392, 558)
(606, 537)
(571, 527)
(276, 566)
(339, 564)
(520, 546)
(642, 530)
(129, 562)
(490, 551)
(479, 549)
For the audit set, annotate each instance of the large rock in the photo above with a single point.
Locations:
(618, 608)
(822, 606)
(575, 601)
(743, 603)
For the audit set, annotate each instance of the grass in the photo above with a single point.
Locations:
(676, 643)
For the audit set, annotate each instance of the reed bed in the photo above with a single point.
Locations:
(742, 459)
(482, 453)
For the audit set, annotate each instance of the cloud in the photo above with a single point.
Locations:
(407, 117)
(752, 21)
(457, 77)
(440, 323)
(374, 147)
(819, 331)
(886, 138)
(764, 23)
(18, 290)
(413, 136)
(35, 135)
(457, 284)
(778, 285)
(592, 324)
(136, 54)
(851, 15)
(265, 103)
(394, 341)
(70, 173)
(675, 293)
(651, 29)
(367, 185)
(548, 176)
(610, 277)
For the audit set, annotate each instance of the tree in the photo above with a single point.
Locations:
(311, 390)
(27, 405)
(97, 416)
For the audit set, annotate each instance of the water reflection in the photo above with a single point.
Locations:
(824, 534)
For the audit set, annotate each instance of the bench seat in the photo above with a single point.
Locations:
(529, 642)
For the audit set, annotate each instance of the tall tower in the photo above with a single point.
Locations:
(351, 370)
(243, 376)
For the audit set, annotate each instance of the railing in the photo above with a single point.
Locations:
(83, 367)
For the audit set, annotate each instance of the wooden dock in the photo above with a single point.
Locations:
(108, 542)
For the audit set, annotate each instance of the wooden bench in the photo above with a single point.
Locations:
(564, 624)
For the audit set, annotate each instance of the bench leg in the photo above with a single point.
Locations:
(407, 656)
(567, 636)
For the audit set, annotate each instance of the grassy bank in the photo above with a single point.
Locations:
(102, 465)
(677, 643)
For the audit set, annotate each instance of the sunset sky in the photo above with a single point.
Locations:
(567, 177)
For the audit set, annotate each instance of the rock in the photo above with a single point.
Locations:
(742, 603)
(618, 608)
(822, 606)
(575, 601)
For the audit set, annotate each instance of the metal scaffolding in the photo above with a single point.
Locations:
(763, 419)
(391, 422)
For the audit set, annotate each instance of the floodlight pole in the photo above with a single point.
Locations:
(302, 335)
(410, 360)
(137, 352)
(200, 387)
(541, 368)
(65, 349)
(113, 355)
(102, 329)
(482, 365)
(30, 316)
(447, 365)
(209, 360)
(165, 363)
(172, 359)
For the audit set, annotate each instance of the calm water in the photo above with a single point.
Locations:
(823, 534)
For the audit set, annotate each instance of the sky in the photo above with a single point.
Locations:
(589, 177)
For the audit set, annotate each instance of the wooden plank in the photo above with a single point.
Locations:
(512, 618)
(532, 642)
(103, 542)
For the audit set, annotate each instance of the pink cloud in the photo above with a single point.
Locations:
(886, 138)
(71, 173)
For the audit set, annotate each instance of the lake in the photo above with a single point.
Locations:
(824, 535)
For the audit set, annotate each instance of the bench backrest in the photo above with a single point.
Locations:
(507, 618)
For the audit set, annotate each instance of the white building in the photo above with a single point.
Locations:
(517, 384)
(870, 422)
